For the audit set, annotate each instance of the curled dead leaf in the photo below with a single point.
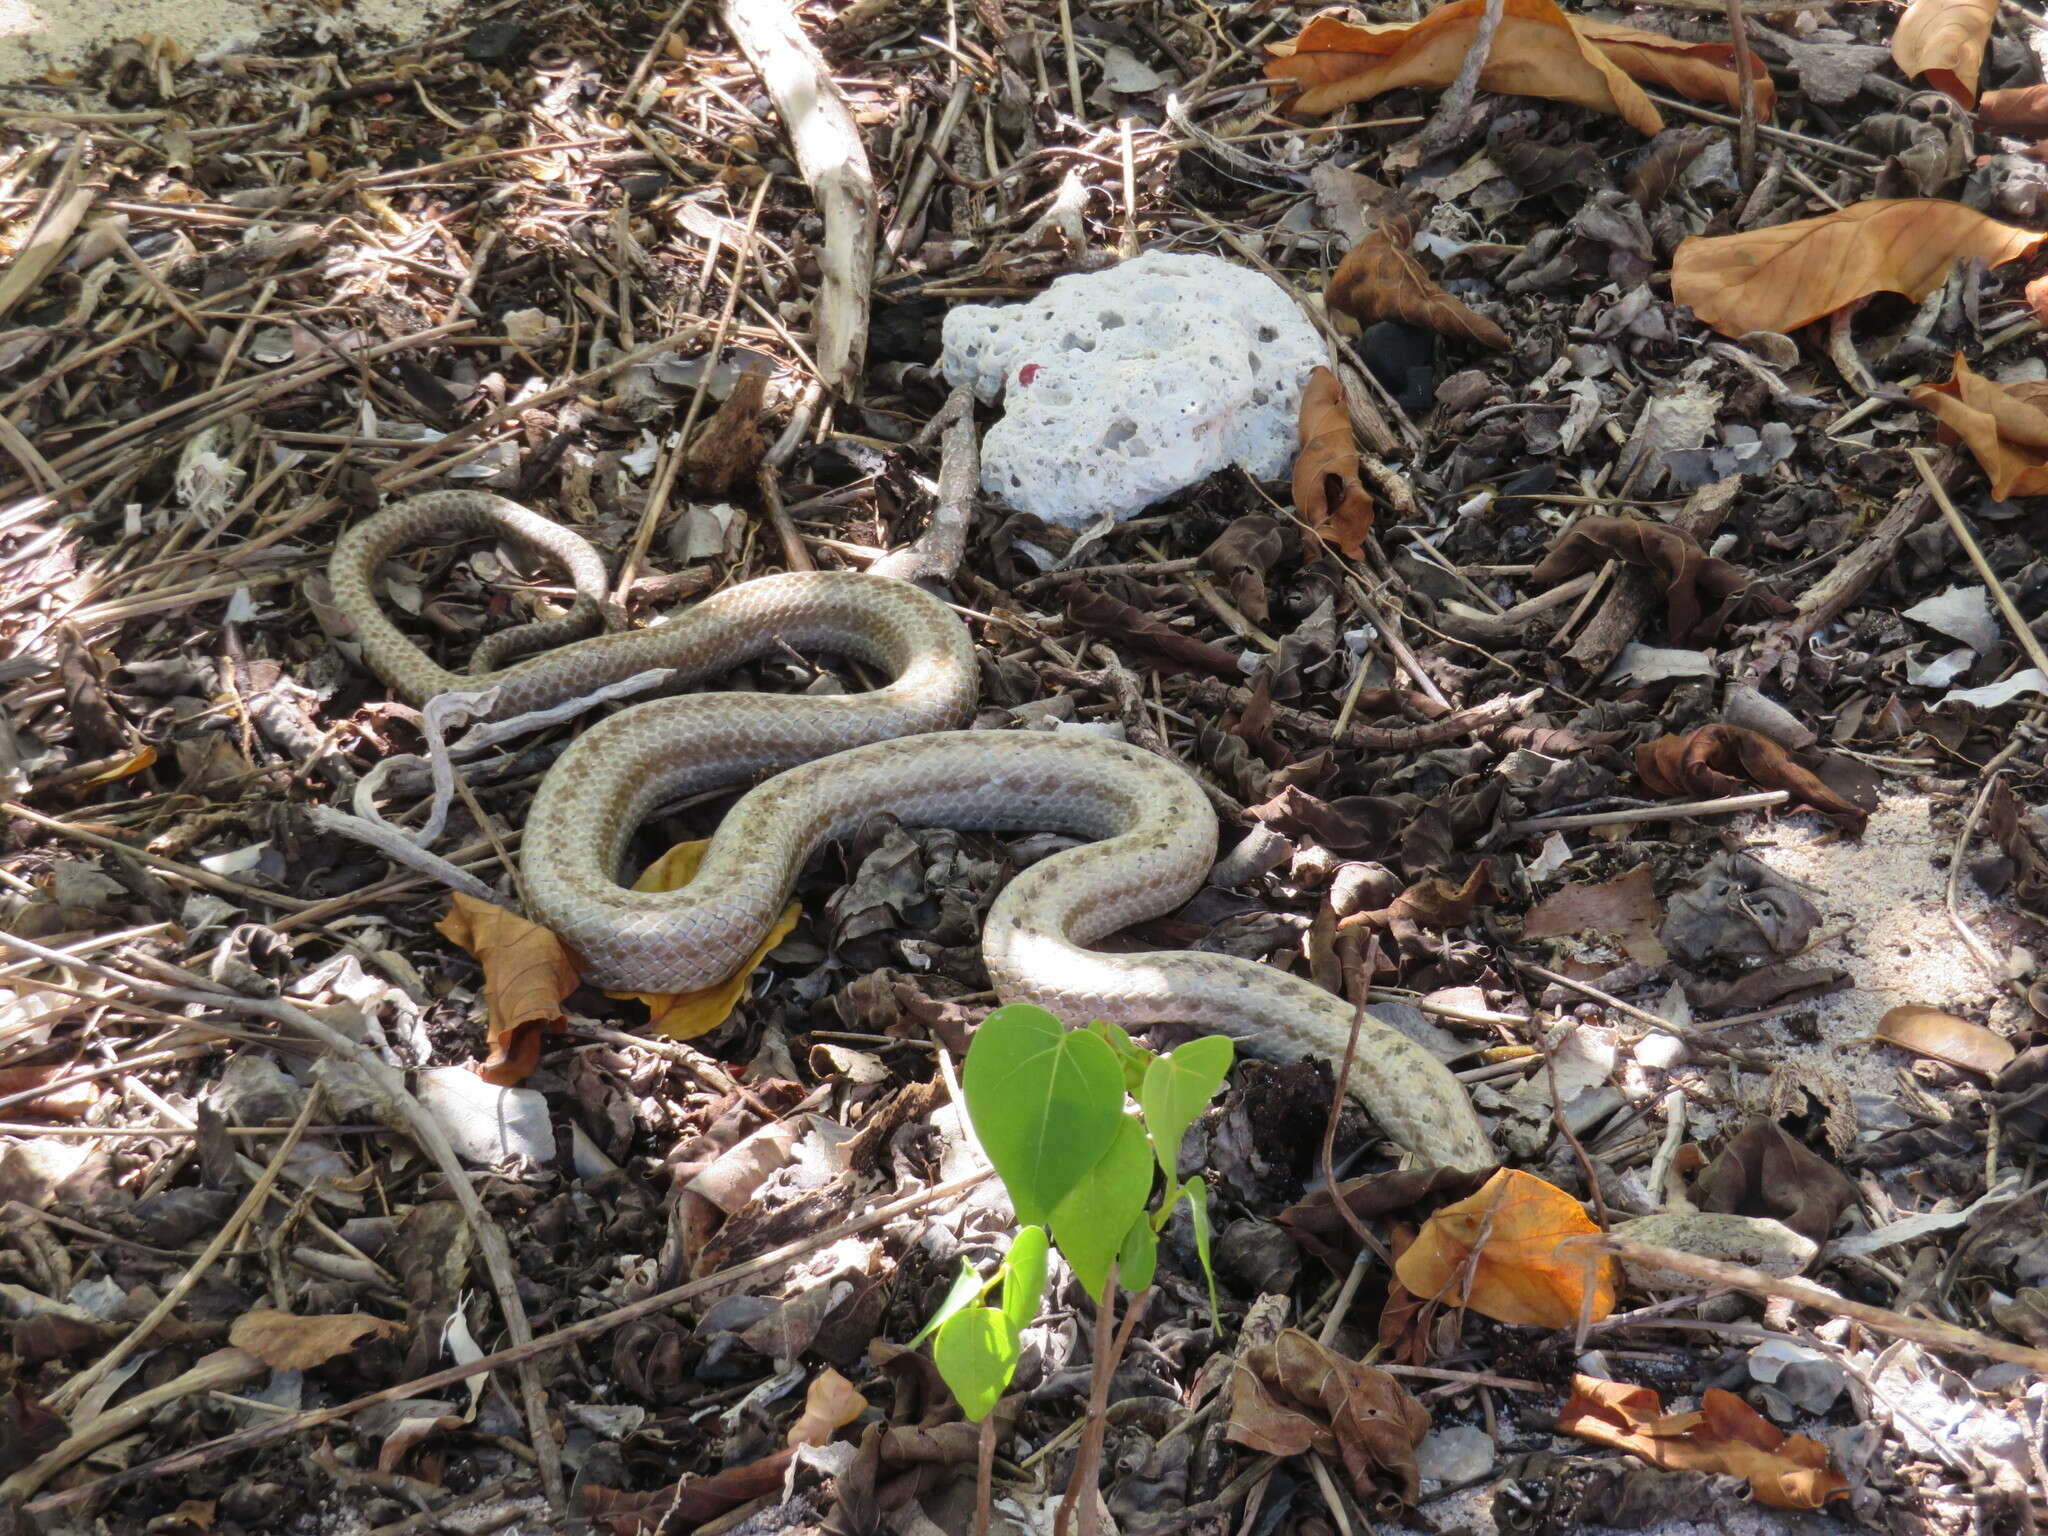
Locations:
(1718, 760)
(686, 1015)
(1379, 279)
(1625, 907)
(1295, 1395)
(1516, 1252)
(1703, 71)
(830, 1404)
(1327, 491)
(1536, 52)
(285, 1341)
(1787, 275)
(1943, 42)
(2005, 426)
(1725, 1434)
(1701, 592)
(1931, 1032)
(527, 973)
(2023, 109)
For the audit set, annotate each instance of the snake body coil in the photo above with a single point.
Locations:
(842, 758)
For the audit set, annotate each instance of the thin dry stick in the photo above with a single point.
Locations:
(2020, 630)
(1745, 79)
(288, 1425)
(1920, 1330)
(1753, 802)
(74, 1389)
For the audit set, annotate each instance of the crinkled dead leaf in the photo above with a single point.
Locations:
(1625, 907)
(1765, 1171)
(2005, 426)
(1787, 275)
(686, 1015)
(1725, 1434)
(527, 973)
(1327, 490)
(1943, 41)
(285, 1341)
(1381, 280)
(1516, 1251)
(1431, 902)
(1536, 52)
(1295, 1395)
(1930, 1032)
(1718, 760)
(830, 1405)
(1702, 593)
(2021, 110)
(1703, 71)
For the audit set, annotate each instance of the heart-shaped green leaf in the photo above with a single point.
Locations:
(1046, 1102)
(1092, 1222)
(1024, 1275)
(1178, 1086)
(976, 1352)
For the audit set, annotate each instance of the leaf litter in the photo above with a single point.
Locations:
(1605, 509)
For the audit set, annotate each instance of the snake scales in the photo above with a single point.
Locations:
(838, 758)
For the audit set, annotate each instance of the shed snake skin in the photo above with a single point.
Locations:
(837, 759)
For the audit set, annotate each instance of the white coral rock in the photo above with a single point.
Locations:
(1129, 384)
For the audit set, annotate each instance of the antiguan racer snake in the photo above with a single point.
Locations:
(897, 749)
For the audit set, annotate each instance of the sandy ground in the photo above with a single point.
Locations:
(38, 36)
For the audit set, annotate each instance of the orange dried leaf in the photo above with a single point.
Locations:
(1380, 280)
(1717, 760)
(527, 973)
(1724, 1435)
(2022, 109)
(1703, 71)
(1943, 40)
(686, 1015)
(142, 757)
(1931, 1032)
(1516, 1251)
(1536, 52)
(62, 1100)
(1783, 277)
(2004, 425)
(1327, 491)
(831, 1404)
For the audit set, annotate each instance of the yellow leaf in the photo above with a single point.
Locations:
(142, 757)
(1782, 277)
(686, 1015)
(1515, 1252)
(1537, 52)
(527, 973)
(831, 1404)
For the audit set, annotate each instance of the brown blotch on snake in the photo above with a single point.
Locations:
(843, 758)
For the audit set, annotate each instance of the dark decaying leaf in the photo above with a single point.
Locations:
(1718, 760)
(1295, 1395)
(1702, 593)
(1736, 910)
(1320, 1227)
(1766, 987)
(1625, 906)
(1765, 1172)
(1112, 618)
(1545, 1494)
(1244, 555)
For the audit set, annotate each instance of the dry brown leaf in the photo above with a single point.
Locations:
(142, 757)
(1381, 280)
(1702, 593)
(2005, 426)
(1724, 1435)
(1703, 71)
(1536, 52)
(2037, 298)
(527, 973)
(1718, 760)
(1764, 1171)
(686, 1015)
(1327, 491)
(2022, 109)
(1515, 1252)
(728, 448)
(285, 1341)
(66, 1101)
(1626, 907)
(830, 1405)
(1785, 276)
(1930, 1032)
(1295, 1395)
(1943, 41)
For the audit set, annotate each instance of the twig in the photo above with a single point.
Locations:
(1745, 78)
(2021, 632)
(1478, 720)
(1720, 807)
(935, 554)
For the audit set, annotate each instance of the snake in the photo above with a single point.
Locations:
(835, 759)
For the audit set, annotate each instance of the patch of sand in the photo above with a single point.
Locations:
(37, 36)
